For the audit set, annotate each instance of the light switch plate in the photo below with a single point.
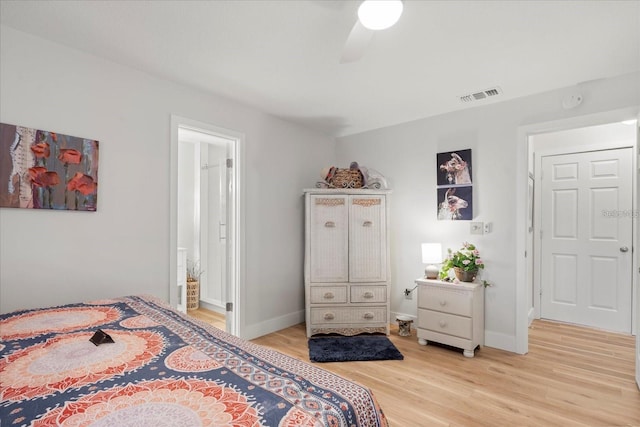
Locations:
(477, 228)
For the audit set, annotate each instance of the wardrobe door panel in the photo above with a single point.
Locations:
(367, 239)
(329, 222)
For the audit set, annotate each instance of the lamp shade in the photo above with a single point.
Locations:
(379, 14)
(431, 253)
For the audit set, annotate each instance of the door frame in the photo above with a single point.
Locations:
(235, 229)
(636, 257)
(522, 183)
(537, 240)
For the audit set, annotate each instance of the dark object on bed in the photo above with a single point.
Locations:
(101, 337)
(163, 368)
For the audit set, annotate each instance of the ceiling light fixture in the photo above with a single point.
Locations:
(379, 14)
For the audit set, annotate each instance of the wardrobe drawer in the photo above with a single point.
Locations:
(368, 294)
(445, 323)
(348, 315)
(328, 294)
(454, 301)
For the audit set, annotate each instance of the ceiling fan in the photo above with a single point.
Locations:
(373, 15)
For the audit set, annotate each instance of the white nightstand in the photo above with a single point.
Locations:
(451, 313)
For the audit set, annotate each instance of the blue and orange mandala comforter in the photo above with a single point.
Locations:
(163, 369)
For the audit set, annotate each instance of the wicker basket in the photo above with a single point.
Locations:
(193, 295)
(347, 178)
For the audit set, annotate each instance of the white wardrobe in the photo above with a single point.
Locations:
(346, 261)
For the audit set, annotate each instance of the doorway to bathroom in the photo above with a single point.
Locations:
(206, 215)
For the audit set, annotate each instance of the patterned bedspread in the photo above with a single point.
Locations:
(163, 369)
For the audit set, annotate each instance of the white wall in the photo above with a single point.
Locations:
(601, 136)
(51, 258)
(186, 197)
(406, 154)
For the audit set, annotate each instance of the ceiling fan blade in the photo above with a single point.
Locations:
(357, 43)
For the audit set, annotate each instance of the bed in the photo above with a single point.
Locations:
(162, 369)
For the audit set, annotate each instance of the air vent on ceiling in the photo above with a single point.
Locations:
(483, 94)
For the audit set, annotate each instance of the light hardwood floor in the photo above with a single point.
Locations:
(211, 317)
(572, 376)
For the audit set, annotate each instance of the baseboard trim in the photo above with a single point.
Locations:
(530, 316)
(500, 341)
(212, 307)
(272, 325)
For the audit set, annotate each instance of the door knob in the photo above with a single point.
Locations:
(624, 249)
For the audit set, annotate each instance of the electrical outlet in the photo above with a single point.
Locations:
(408, 294)
(477, 228)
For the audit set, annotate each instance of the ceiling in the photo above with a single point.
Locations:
(282, 57)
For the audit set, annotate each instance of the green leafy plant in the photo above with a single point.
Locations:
(466, 258)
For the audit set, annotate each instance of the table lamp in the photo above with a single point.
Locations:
(431, 255)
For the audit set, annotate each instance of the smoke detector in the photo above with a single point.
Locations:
(572, 101)
(480, 95)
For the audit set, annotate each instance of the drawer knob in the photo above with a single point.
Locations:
(368, 316)
(328, 295)
(368, 294)
(442, 323)
(443, 303)
(330, 224)
(367, 224)
(329, 316)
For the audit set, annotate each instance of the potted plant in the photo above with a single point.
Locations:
(193, 284)
(465, 262)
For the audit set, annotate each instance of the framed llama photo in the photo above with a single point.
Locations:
(454, 185)
(46, 170)
(455, 203)
(454, 168)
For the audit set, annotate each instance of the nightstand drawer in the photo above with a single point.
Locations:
(348, 315)
(454, 301)
(328, 294)
(368, 294)
(445, 323)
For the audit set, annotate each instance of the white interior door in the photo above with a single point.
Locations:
(586, 238)
(530, 251)
(231, 234)
(213, 219)
(637, 311)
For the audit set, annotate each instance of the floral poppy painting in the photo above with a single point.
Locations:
(47, 170)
